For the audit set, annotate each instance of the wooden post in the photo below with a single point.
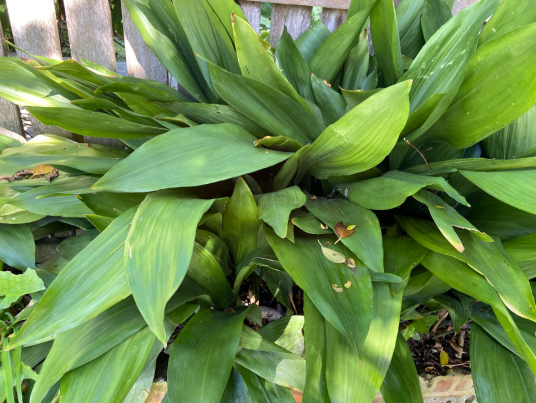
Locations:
(296, 18)
(10, 121)
(141, 61)
(89, 24)
(252, 11)
(333, 18)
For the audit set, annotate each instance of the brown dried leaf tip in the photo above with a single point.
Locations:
(344, 232)
(337, 288)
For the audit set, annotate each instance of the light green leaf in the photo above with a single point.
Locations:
(384, 32)
(473, 164)
(158, 251)
(100, 222)
(366, 242)
(17, 247)
(341, 150)
(310, 224)
(196, 153)
(318, 276)
(111, 205)
(392, 189)
(483, 257)
(14, 286)
(275, 208)
(354, 98)
(330, 102)
(99, 274)
(286, 332)
(508, 12)
(522, 249)
(309, 42)
(356, 65)
(206, 346)
(435, 14)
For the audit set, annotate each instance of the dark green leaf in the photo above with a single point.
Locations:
(435, 14)
(17, 248)
(275, 208)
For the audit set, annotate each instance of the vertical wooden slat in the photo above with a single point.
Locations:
(252, 11)
(459, 5)
(296, 18)
(141, 61)
(10, 121)
(333, 18)
(89, 25)
(35, 29)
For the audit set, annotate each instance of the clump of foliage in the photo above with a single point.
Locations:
(361, 191)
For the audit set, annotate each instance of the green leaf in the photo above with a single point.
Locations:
(254, 387)
(408, 16)
(191, 152)
(309, 42)
(431, 289)
(435, 14)
(160, 28)
(330, 102)
(357, 379)
(504, 18)
(459, 311)
(235, 391)
(111, 205)
(392, 189)
(294, 65)
(384, 32)
(401, 383)
(419, 279)
(522, 249)
(354, 98)
(275, 208)
(158, 251)
(473, 164)
(310, 224)
(241, 222)
(276, 112)
(147, 89)
(498, 375)
(366, 242)
(99, 274)
(17, 247)
(419, 116)
(13, 286)
(467, 122)
(356, 65)
(257, 62)
(485, 258)
(203, 356)
(286, 332)
(511, 187)
(100, 222)
(56, 150)
(401, 255)
(318, 276)
(89, 123)
(331, 55)
(447, 218)
(341, 150)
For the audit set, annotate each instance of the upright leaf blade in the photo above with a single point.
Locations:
(275, 208)
(17, 247)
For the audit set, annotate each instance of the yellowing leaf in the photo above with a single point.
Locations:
(337, 288)
(43, 169)
(350, 227)
(332, 256)
(342, 231)
(348, 284)
(444, 357)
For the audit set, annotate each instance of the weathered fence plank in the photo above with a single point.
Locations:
(10, 121)
(35, 29)
(296, 18)
(141, 61)
(345, 4)
(333, 18)
(89, 25)
(252, 11)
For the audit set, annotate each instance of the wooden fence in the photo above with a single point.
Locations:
(89, 26)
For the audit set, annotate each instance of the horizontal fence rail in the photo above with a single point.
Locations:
(89, 27)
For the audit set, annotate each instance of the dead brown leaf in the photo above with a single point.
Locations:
(344, 232)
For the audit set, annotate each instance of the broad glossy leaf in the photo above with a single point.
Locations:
(294, 65)
(252, 340)
(17, 247)
(507, 12)
(27, 86)
(459, 310)
(341, 150)
(401, 255)
(447, 218)
(276, 112)
(513, 382)
(310, 224)
(356, 65)
(148, 89)
(434, 287)
(419, 116)
(330, 102)
(366, 242)
(140, 390)
(357, 379)
(419, 279)
(522, 249)
(207, 345)
(275, 208)
(99, 222)
(513, 187)
(160, 28)
(14, 286)
(158, 251)
(195, 152)
(111, 205)
(473, 164)
(56, 150)
(408, 16)
(235, 391)
(392, 189)
(258, 63)
(384, 32)
(309, 42)
(254, 387)
(466, 122)
(100, 278)
(435, 14)
(286, 332)
(8, 142)
(95, 124)
(485, 258)
(331, 55)
(401, 383)
(354, 98)
(318, 277)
